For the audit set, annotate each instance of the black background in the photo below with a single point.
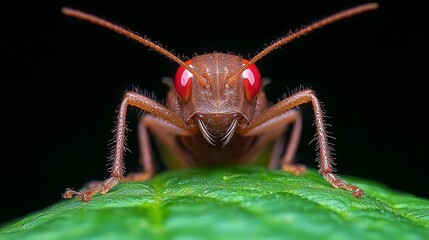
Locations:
(62, 80)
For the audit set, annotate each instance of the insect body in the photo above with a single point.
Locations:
(217, 114)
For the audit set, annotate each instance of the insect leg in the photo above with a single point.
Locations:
(283, 154)
(286, 160)
(164, 132)
(271, 116)
(147, 104)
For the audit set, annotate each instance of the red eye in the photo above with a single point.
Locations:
(252, 81)
(182, 82)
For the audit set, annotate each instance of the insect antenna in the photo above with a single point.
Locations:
(121, 30)
(307, 29)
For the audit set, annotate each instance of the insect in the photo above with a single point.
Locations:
(216, 113)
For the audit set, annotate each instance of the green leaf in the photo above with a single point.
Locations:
(231, 203)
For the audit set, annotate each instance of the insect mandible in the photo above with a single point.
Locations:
(216, 113)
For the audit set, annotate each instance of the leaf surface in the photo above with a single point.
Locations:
(231, 203)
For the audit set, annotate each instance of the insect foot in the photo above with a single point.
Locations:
(100, 187)
(336, 182)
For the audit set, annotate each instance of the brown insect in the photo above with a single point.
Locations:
(217, 114)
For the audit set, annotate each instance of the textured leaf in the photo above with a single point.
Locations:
(231, 203)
